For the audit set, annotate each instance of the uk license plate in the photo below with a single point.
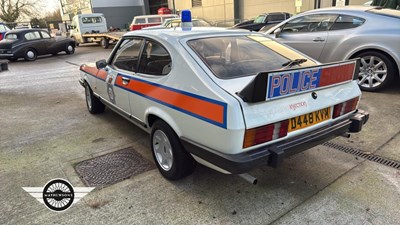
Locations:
(309, 119)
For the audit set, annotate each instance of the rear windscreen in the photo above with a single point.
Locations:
(96, 19)
(230, 57)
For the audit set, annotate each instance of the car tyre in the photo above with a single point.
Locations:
(93, 104)
(30, 54)
(70, 49)
(105, 43)
(171, 159)
(376, 71)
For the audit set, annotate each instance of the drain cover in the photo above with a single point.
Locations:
(112, 168)
(365, 155)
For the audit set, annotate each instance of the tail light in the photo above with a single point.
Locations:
(1, 36)
(265, 133)
(345, 107)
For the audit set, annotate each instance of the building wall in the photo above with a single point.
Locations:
(212, 10)
(223, 10)
(119, 13)
(119, 17)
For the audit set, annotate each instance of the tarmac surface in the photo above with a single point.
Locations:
(45, 130)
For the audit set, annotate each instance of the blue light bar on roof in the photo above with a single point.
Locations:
(186, 16)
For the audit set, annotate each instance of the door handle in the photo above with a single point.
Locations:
(318, 39)
(125, 80)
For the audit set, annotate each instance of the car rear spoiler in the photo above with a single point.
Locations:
(282, 83)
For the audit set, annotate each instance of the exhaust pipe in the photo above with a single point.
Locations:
(248, 178)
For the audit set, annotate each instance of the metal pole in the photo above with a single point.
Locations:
(173, 7)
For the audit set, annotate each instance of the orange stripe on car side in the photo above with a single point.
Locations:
(197, 105)
(102, 74)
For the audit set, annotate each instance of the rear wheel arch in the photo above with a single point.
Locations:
(154, 114)
(359, 52)
(377, 69)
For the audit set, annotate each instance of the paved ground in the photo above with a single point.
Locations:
(45, 130)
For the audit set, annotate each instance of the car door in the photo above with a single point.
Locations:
(50, 43)
(338, 46)
(154, 67)
(308, 33)
(121, 69)
(35, 41)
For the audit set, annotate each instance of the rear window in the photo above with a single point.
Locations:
(11, 36)
(154, 20)
(230, 57)
(96, 19)
(140, 21)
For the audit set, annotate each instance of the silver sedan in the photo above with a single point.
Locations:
(334, 34)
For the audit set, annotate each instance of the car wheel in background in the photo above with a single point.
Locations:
(30, 54)
(70, 49)
(105, 43)
(93, 104)
(172, 160)
(376, 71)
(76, 42)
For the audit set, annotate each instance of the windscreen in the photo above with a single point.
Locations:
(230, 57)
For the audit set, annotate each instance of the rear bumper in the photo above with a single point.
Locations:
(274, 154)
(6, 56)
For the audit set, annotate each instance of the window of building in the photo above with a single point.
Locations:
(197, 3)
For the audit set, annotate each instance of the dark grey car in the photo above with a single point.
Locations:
(339, 33)
(30, 43)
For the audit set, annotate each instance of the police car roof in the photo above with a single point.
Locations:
(179, 33)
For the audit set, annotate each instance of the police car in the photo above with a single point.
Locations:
(232, 100)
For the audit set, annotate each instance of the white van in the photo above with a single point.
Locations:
(87, 24)
(140, 22)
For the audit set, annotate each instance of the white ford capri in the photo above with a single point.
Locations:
(229, 99)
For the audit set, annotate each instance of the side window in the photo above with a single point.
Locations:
(140, 21)
(32, 35)
(310, 23)
(347, 22)
(154, 20)
(155, 60)
(45, 35)
(127, 56)
(277, 17)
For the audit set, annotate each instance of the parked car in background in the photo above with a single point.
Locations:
(230, 99)
(140, 22)
(3, 30)
(334, 34)
(176, 22)
(264, 21)
(30, 43)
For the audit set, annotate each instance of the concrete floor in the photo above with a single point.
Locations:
(45, 129)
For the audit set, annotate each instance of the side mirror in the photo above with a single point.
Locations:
(277, 32)
(101, 64)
